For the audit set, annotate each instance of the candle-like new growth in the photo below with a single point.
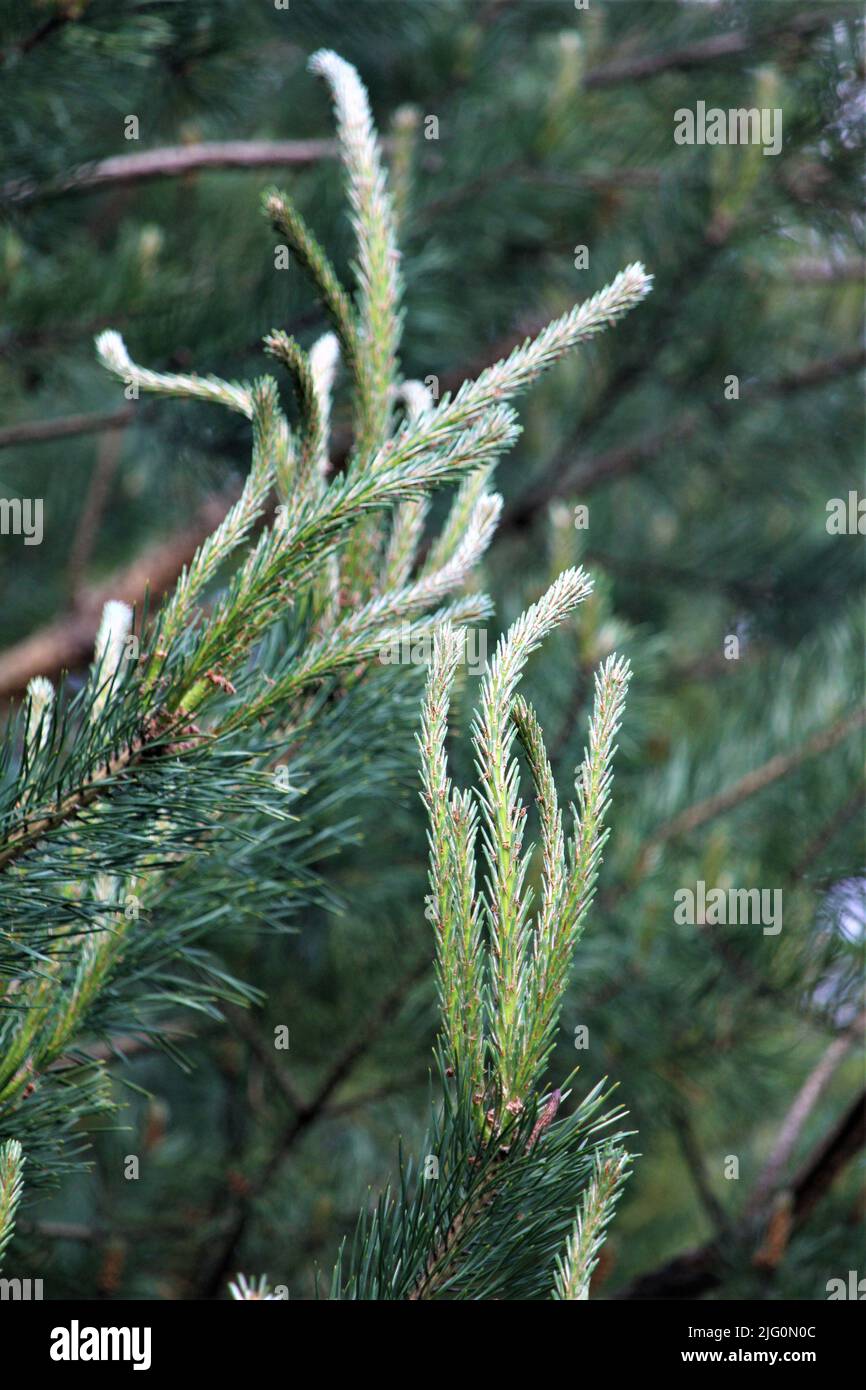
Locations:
(568, 881)
(451, 906)
(506, 904)
(324, 359)
(40, 694)
(11, 1188)
(114, 627)
(113, 354)
(510, 1165)
(522, 971)
(378, 261)
(288, 222)
(302, 479)
(409, 518)
(576, 1264)
(593, 784)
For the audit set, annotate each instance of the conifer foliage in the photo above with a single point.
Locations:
(221, 721)
(488, 1218)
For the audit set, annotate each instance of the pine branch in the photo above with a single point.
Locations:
(175, 731)
(122, 748)
(287, 221)
(112, 352)
(506, 906)
(575, 1266)
(379, 289)
(508, 1168)
(11, 1189)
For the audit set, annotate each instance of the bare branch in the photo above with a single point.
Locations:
(702, 1269)
(172, 161)
(708, 52)
(753, 782)
(67, 643)
(807, 1098)
(65, 426)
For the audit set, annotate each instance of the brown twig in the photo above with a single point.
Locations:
(825, 272)
(64, 427)
(171, 161)
(700, 1270)
(124, 1045)
(810, 1092)
(58, 20)
(706, 52)
(828, 1159)
(67, 643)
(108, 451)
(251, 1032)
(578, 477)
(817, 373)
(696, 815)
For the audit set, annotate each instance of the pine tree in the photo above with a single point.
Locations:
(165, 755)
(483, 1214)
(531, 153)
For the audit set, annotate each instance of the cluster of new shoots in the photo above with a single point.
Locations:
(345, 554)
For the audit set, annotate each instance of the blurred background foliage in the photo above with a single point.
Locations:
(706, 521)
